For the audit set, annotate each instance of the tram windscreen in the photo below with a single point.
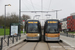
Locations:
(32, 28)
(52, 28)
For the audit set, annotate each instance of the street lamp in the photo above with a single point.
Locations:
(56, 12)
(36, 16)
(48, 15)
(8, 5)
(5, 20)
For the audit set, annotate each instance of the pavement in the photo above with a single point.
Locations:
(69, 40)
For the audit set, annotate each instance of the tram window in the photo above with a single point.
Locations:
(32, 28)
(52, 28)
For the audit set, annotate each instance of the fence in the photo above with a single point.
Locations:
(68, 34)
(9, 40)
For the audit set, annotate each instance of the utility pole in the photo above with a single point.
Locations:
(42, 9)
(20, 16)
(56, 13)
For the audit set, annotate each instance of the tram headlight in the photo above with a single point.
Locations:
(38, 34)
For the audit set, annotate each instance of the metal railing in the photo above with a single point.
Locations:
(68, 34)
(9, 40)
(13, 38)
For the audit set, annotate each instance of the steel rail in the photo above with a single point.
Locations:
(35, 46)
(48, 46)
(22, 45)
(62, 46)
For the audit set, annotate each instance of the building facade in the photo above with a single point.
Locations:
(71, 23)
(64, 24)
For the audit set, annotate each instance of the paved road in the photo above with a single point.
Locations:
(41, 46)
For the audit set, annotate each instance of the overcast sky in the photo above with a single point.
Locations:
(67, 6)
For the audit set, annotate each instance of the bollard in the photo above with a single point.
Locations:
(1, 43)
(73, 35)
(8, 41)
(16, 38)
(19, 37)
(67, 34)
(13, 39)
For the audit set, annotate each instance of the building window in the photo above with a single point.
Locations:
(68, 18)
(68, 26)
(73, 25)
(73, 29)
(67, 22)
(73, 17)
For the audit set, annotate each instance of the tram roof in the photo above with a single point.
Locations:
(32, 20)
(52, 20)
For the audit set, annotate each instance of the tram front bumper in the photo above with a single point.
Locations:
(32, 38)
(52, 38)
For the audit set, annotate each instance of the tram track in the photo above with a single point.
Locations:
(41, 46)
(35, 46)
(21, 46)
(56, 46)
(48, 46)
(62, 46)
(66, 47)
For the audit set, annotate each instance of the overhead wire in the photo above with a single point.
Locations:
(32, 4)
(41, 5)
(50, 4)
(26, 6)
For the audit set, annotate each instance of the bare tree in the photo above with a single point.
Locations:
(25, 17)
(13, 18)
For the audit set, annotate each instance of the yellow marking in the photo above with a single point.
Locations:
(35, 22)
(48, 21)
(32, 34)
(32, 22)
(52, 21)
(52, 34)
